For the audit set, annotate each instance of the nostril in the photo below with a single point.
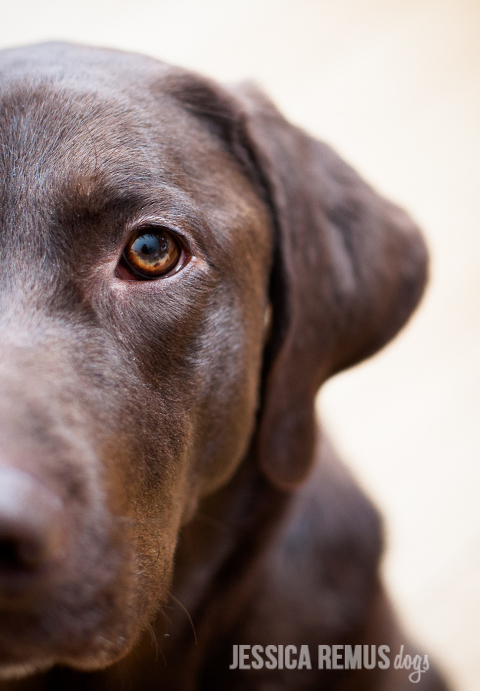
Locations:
(9, 555)
(22, 552)
(31, 532)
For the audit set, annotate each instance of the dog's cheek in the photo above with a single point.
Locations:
(132, 557)
(229, 361)
(152, 473)
(123, 554)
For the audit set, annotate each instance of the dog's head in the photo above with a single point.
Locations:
(181, 269)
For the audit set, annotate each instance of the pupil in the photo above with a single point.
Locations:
(149, 245)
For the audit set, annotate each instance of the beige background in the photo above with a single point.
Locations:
(394, 85)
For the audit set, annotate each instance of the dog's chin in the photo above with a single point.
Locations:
(99, 659)
(9, 672)
(102, 655)
(88, 633)
(36, 649)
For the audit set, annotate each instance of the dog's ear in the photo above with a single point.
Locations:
(348, 266)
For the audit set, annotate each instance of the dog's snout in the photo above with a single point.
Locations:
(31, 534)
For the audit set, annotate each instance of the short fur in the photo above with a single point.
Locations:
(173, 420)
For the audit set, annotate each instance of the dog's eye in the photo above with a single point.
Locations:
(152, 253)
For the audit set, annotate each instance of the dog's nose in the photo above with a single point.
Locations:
(31, 534)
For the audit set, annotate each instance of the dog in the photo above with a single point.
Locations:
(181, 269)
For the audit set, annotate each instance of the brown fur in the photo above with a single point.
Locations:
(173, 420)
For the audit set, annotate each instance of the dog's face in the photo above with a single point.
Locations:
(147, 220)
(135, 264)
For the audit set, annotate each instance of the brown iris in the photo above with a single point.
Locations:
(152, 253)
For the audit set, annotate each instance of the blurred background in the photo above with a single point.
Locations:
(394, 86)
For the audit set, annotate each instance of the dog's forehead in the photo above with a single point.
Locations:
(91, 128)
(94, 112)
(78, 66)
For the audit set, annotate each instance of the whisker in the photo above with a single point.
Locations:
(188, 615)
(153, 637)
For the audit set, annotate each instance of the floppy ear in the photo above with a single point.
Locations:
(349, 268)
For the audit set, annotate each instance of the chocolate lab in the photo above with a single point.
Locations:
(181, 269)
